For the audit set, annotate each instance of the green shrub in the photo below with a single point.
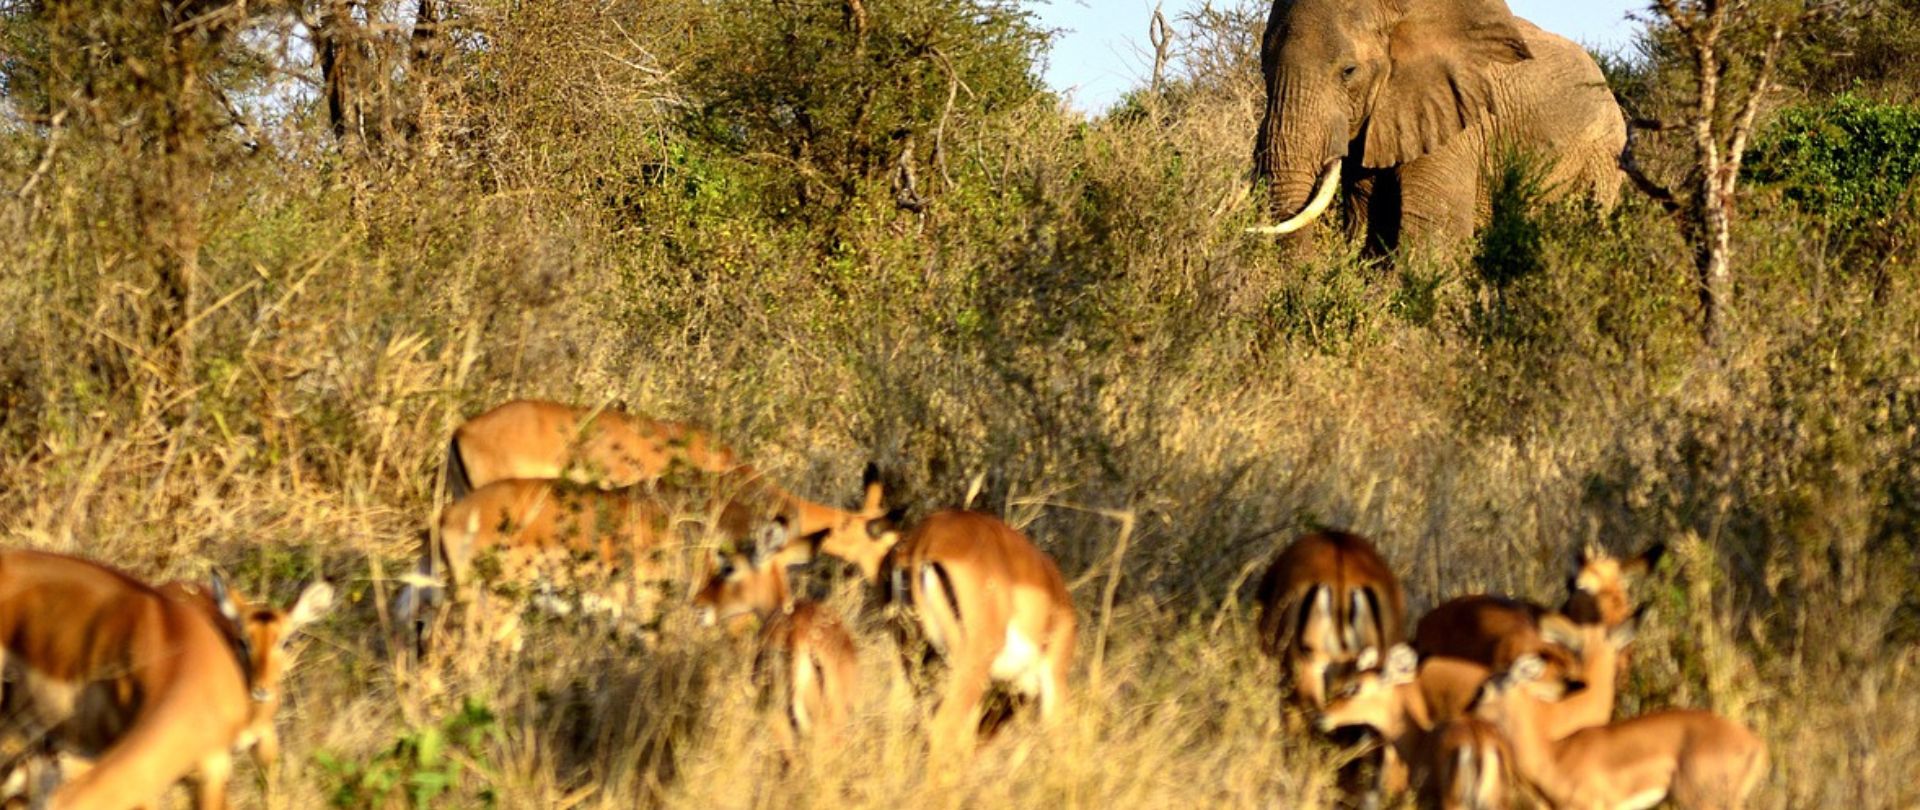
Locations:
(830, 96)
(419, 765)
(1849, 160)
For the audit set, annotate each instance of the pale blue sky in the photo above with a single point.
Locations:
(1101, 51)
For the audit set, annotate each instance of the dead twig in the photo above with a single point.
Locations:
(40, 170)
(1660, 194)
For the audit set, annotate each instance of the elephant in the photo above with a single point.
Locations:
(1411, 106)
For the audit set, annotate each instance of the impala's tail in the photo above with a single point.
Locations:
(458, 482)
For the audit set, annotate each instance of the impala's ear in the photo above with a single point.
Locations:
(802, 549)
(1368, 658)
(1624, 634)
(1558, 629)
(313, 603)
(1527, 669)
(223, 599)
(872, 491)
(1403, 664)
(1644, 562)
(1440, 81)
(770, 540)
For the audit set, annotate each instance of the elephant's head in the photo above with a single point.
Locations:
(1378, 81)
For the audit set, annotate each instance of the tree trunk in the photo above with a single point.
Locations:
(1711, 242)
(182, 167)
(340, 69)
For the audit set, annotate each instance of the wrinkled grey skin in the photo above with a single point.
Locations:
(1418, 99)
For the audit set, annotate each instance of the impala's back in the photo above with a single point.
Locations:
(599, 447)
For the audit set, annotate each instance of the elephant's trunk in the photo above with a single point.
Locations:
(1301, 142)
(1317, 205)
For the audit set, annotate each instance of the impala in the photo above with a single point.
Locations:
(612, 547)
(608, 448)
(1325, 599)
(153, 685)
(983, 597)
(1405, 701)
(604, 449)
(807, 661)
(1496, 630)
(1695, 758)
(572, 548)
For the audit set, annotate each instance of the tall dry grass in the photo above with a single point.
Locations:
(1076, 321)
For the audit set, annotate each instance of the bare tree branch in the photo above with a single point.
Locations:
(46, 158)
(946, 112)
(1162, 40)
(1647, 185)
(1762, 83)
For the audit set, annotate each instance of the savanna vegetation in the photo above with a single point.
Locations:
(257, 260)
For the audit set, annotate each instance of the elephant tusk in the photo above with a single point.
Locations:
(1329, 181)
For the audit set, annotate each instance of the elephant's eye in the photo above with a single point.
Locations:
(1347, 73)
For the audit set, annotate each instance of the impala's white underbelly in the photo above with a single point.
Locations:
(1643, 800)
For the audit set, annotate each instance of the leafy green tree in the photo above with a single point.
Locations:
(837, 94)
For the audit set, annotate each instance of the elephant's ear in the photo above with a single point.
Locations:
(1441, 80)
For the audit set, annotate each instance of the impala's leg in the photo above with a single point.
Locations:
(266, 757)
(1309, 673)
(210, 784)
(1053, 687)
(1395, 774)
(957, 720)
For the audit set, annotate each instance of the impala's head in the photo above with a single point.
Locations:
(1509, 699)
(264, 634)
(752, 580)
(1597, 589)
(1366, 697)
(1586, 638)
(864, 537)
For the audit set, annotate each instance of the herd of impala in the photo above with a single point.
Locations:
(114, 689)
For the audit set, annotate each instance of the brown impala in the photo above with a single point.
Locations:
(807, 662)
(1496, 630)
(984, 597)
(1327, 597)
(1696, 759)
(153, 685)
(529, 438)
